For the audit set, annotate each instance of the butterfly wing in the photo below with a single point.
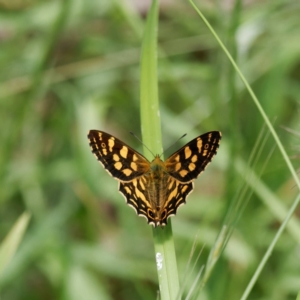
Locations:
(176, 196)
(120, 160)
(136, 193)
(188, 162)
(135, 196)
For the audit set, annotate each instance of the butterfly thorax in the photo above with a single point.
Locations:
(157, 167)
(157, 180)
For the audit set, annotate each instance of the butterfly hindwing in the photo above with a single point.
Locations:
(120, 160)
(134, 193)
(176, 197)
(138, 197)
(188, 162)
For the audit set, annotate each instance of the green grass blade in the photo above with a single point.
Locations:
(254, 98)
(271, 200)
(281, 149)
(150, 117)
(270, 249)
(12, 241)
(151, 132)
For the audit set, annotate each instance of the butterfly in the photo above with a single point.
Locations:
(154, 189)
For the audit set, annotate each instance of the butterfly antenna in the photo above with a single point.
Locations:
(141, 142)
(173, 144)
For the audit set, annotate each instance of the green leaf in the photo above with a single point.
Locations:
(12, 241)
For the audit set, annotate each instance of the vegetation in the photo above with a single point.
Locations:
(70, 66)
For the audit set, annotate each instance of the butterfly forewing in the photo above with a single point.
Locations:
(120, 160)
(188, 162)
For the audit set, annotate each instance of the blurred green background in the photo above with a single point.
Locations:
(70, 66)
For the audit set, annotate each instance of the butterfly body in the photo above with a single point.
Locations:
(154, 189)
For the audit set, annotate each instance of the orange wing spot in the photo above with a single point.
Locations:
(134, 204)
(142, 185)
(133, 166)
(116, 157)
(194, 158)
(118, 165)
(187, 152)
(184, 189)
(124, 152)
(171, 184)
(173, 194)
(183, 173)
(134, 157)
(128, 190)
(139, 194)
(127, 172)
(104, 151)
(199, 144)
(177, 167)
(192, 167)
(177, 158)
(111, 143)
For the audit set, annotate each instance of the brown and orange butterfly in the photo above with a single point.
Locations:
(154, 189)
